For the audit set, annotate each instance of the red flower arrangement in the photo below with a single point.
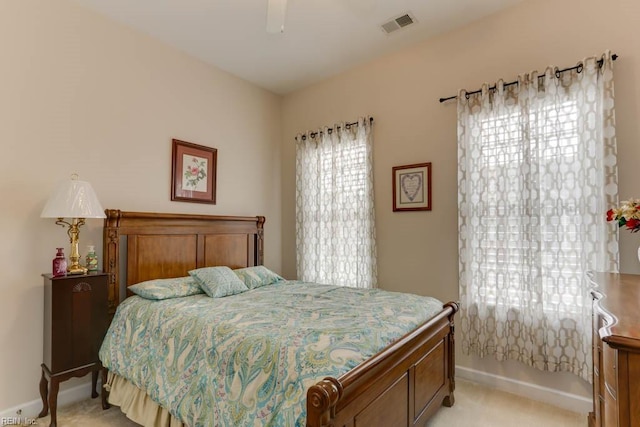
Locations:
(627, 215)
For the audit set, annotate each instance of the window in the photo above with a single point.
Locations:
(536, 175)
(335, 227)
(512, 227)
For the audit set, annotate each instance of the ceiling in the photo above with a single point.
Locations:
(321, 37)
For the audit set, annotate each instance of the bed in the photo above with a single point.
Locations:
(401, 385)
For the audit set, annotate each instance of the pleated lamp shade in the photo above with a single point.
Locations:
(73, 199)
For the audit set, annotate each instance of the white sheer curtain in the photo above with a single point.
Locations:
(335, 223)
(536, 173)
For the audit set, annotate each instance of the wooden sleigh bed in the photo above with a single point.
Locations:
(402, 385)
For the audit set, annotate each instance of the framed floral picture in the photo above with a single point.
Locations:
(412, 187)
(193, 173)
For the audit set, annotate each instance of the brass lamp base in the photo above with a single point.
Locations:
(76, 269)
(74, 234)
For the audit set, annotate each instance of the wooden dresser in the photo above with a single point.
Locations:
(616, 350)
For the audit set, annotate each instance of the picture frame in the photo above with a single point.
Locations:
(412, 187)
(193, 172)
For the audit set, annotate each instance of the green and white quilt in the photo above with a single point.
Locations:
(248, 359)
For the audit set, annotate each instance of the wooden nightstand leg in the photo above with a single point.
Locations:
(94, 383)
(104, 393)
(44, 395)
(53, 401)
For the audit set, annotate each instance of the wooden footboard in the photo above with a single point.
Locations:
(403, 385)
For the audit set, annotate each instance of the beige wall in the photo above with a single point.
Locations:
(417, 251)
(79, 93)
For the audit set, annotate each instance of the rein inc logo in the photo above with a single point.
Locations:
(18, 420)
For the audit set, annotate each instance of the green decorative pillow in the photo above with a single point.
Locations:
(218, 282)
(160, 289)
(255, 277)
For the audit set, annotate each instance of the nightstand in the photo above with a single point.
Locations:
(75, 322)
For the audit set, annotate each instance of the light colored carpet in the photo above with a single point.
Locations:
(480, 406)
(475, 406)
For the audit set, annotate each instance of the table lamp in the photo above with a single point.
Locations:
(75, 200)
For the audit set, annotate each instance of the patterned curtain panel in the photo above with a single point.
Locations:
(536, 174)
(335, 224)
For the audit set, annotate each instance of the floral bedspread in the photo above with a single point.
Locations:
(248, 359)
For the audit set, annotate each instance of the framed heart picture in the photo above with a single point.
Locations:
(412, 187)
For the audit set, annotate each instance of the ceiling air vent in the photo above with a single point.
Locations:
(397, 23)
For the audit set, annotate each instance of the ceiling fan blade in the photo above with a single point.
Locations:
(276, 11)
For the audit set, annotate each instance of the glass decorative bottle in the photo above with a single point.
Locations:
(92, 259)
(59, 264)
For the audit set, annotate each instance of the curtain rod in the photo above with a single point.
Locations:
(558, 72)
(347, 125)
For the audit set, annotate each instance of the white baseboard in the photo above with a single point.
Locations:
(65, 397)
(571, 402)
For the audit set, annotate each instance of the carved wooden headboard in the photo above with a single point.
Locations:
(139, 246)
